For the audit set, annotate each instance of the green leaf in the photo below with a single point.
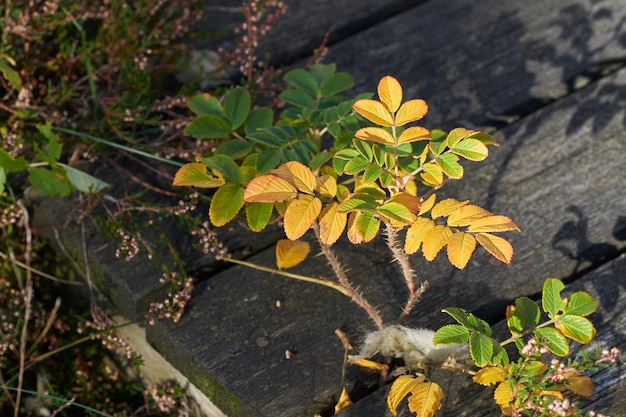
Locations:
(297, 98)
(481, 348)
(52, 149)
(364, 148)
(225, 204)
(577, 328)
(10, 74)
(258, 119)
(367, 225)
(265, 137)
(500, 355)
(372, 173)
(321, 72)
(237, 104)
(581, 304)
(267, 159)
(551, 300)
(202, 104)
(3, 179)
(450, 166)
(356, 165)
(235, 148)
(49, 183)
(303, 80)
(478, 325)
(208, 126)
(225, 166)
(471, 149)
(195, 174)
(553, 340)
(82, 181)
(451, 333)
(320, 159)
(528, 311)
(458, 314)
(258, 215)
(11, 164)
(396, 211)
(336, 83)
(358, 202)
(483, 137)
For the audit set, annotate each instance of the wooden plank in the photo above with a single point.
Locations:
(487, 63)
(576, 168)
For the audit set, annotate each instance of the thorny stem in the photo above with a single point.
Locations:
(354, 295)
(411, 301)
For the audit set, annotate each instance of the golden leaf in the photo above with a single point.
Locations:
(298, 175)
(332, 224)
(411, 111)
(503, 394)
(196, 174)
(411, 188)
(461, 246)
(416, 233)
(269, 189)
(367, 363)
(579, 384)
(343, 402)
(432, 174)
(300, 215)
(327, 186)
(428, 204)
(445, 207)
(493, 224)
(414, 134)
(467, 214)
(435, 240)
(498, 247)
(426, 399)
(375, 134)
(407, 200)
(401, 388)
(354, 235)
(390, 93)
(490, 375)
(374, 111)
(291, 253)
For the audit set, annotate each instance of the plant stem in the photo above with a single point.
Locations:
(354, 295)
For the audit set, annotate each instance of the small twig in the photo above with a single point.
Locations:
(410, 302)
(46, 329)
(37, 271)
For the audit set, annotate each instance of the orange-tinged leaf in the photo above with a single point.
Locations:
(498, 247)
(411, 111)
(407, 200)
(367, 363)
(367, 225)
(445, 207)
(426, 399)
(461, 246)
(579, 384)
(374, 111)
(465, 215)
(416, 233)
(298, 175)
(493, 224)
(196, 174)
(332, 224)
(344, 401)
(291, 253)
(390, 93)
(435, 240)
(490, 375)
(327, 186)
(414, 134)
(300, 215)
(428, 204)
(503, 393)
(400, 388)
(375, 134)
(269, 189)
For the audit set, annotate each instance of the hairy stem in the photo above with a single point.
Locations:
(354, 295)
(411, 301)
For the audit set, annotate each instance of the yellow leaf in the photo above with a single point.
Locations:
(390, 93)
(407, 200)
(445, 207)
(354, 235)
(428, 204)
(413, 134)
(550, 393)
(460, 248)
(367, 363)
(375, 134)
(426, 399)
(332, 224)
(503, 394)
(374, 111)
(300, 215)
(579, 384)
(400, 389)
(432, 174)
(298, 175)
(327, 186)
(291, 253)
(490, 375)
(498, 247)
(416, 233)
(435, 240)
(196, 174)
(467, 214)
(493, 224)
(411, 188)
(269, 189)
(343, 402)
(411, 111)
